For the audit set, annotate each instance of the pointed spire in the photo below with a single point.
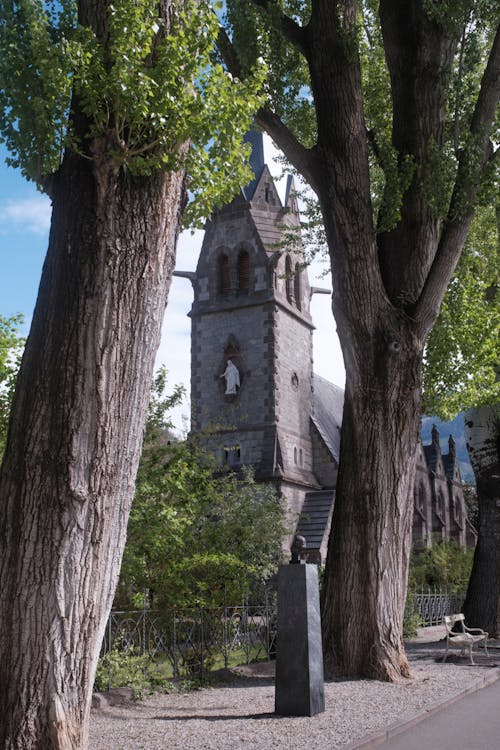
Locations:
(255, 139)
(290, 195)
(451, 446)
(435, 436)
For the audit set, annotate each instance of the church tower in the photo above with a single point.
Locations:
(251, 337)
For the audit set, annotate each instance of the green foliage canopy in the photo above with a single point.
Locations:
(463, 351)
(142, 87)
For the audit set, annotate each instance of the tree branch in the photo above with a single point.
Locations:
(229, 54)
(489, 93)
(292, 31)
(303, 159)
(467, 185)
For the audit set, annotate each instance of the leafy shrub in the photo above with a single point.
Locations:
(120, 668)
(445, 565)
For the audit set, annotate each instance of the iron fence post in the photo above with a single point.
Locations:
(174, 645)
(202, 644)
(225, 638)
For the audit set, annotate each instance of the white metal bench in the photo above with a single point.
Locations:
(465, 638)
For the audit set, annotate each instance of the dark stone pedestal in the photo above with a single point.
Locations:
(299, 653)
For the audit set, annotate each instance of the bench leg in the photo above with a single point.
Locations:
(446, 652)
(470, 654)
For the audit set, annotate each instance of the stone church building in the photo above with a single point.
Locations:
(254, 396)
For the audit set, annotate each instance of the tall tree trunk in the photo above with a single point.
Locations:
(365, 578)
(482, 602)
(367, 565)
(387, 289)
(66, 482)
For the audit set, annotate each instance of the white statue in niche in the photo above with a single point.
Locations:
(232, 376)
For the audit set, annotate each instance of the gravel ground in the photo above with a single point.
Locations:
(240, 714)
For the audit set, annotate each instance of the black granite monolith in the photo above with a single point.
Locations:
(299, 652)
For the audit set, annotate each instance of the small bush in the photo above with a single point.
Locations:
(411, 620)
(122, 669)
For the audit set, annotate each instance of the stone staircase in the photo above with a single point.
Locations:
(314, 522)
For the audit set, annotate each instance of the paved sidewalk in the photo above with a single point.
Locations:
(469, 720)
(472, 723)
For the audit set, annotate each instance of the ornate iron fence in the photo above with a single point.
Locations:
(432, 606)
(194, 640)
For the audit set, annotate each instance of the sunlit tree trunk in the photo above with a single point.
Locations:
(67, 478)
(376, 279)
(367, 565)
(389, 271)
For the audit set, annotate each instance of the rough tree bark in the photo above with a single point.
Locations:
(365, 578)
(482, 602)
(387, 289)
(67, 478)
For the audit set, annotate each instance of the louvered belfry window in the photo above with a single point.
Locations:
(224, 274)
(243, 272)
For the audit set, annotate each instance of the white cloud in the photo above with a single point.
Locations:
(28, 214)
(175, 347)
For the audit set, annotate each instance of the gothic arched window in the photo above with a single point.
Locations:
(243, 272)
(420, 498)
(441, 505)
(224, 275)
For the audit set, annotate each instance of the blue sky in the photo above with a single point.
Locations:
(24, 228)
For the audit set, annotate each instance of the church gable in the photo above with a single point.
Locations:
(232, 262)
(265, 196)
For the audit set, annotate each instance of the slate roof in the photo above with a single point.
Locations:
(268, 229)
(431, 457)
(254, 138)
(313, 519)
(328, 404)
